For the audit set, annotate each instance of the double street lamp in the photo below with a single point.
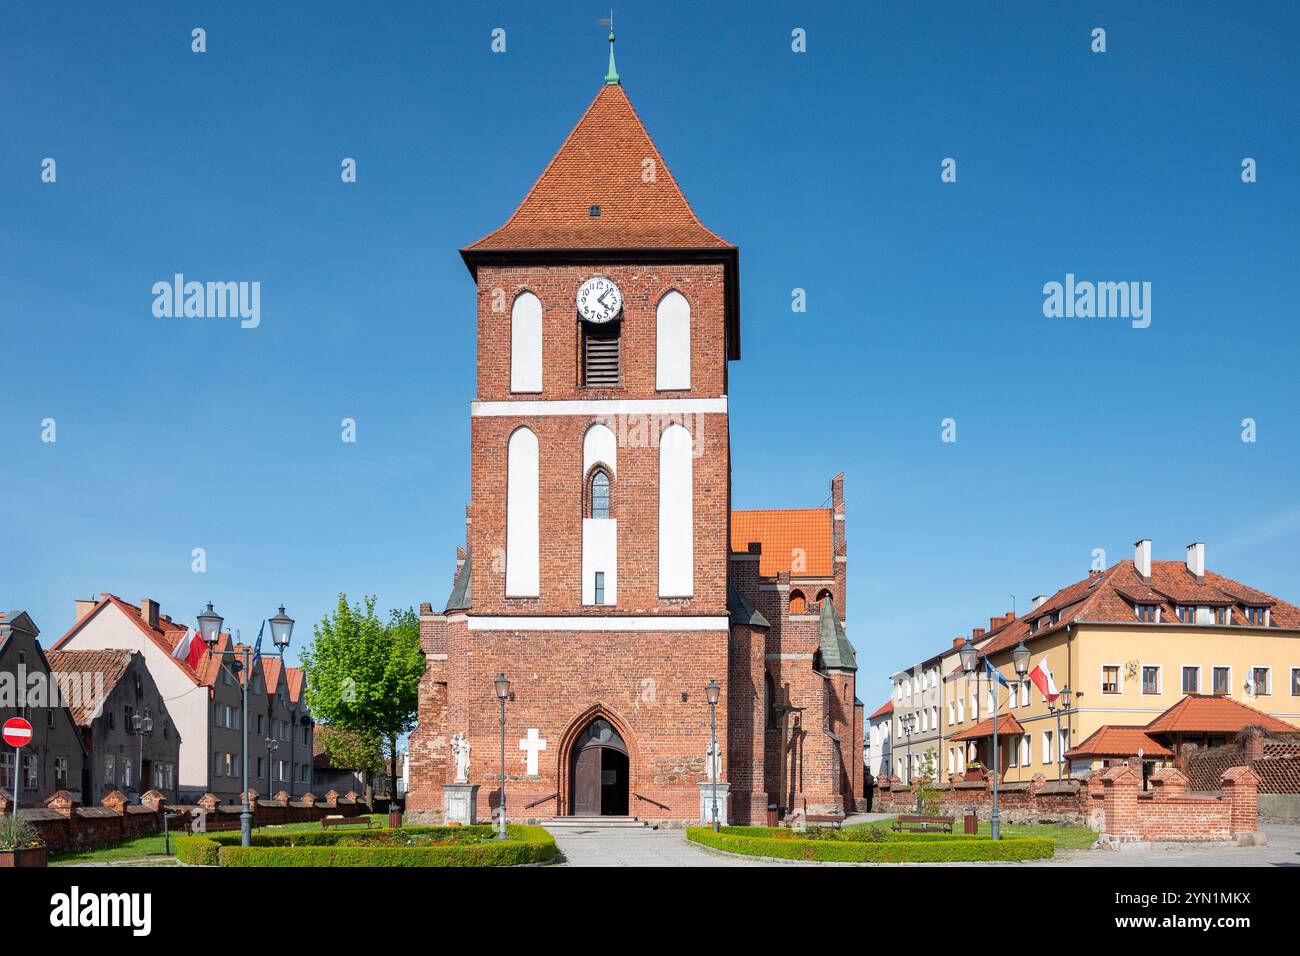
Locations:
(272, 745)
(1062, 745)
(210, 630)
(142, 727)
(969, 654)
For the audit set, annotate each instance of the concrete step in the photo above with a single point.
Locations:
(590, 823)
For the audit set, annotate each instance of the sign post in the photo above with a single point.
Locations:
(17, 734)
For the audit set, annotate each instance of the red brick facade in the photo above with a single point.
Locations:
(642, 663)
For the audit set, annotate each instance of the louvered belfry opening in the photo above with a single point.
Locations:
(600, 355)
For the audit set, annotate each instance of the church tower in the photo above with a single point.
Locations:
(595, 572)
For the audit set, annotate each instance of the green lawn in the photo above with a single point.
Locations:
(150, 848)
(1063, 837)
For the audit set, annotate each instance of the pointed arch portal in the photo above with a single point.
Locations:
(597, 764)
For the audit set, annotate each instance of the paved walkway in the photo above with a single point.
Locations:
(646, 847)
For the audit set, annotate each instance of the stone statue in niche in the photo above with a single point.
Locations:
(460, 757)
(713, 762)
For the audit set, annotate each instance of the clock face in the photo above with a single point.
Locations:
(599, 300)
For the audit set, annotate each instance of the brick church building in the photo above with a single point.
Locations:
(604, 572)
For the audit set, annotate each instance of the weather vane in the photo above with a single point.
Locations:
(611, 78)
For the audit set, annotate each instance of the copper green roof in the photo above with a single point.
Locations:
(742, 612)
(837, 652)
(460, 593)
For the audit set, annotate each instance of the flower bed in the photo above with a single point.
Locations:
(869, 845)
(409, 846)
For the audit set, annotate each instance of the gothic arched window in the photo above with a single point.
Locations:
(798, 603)
(600, 494)
(822, 595)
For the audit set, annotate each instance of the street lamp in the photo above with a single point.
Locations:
(1061, 745)
(502, 686)
(272, 745)
(281, 631)
(142, 727)
(969, 655)
(711, 691)
(907, 723)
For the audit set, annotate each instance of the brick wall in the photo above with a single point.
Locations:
(66, 825)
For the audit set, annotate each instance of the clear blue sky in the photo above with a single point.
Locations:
(924, 298)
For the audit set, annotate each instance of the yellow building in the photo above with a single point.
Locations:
(1129, 642)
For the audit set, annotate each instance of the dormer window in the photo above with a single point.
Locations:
(1148, 613)
(1257, 616)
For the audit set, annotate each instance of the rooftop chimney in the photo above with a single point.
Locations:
(149, 612)
(1039, 600)
(1142, 557)
(958, 641)
(976, 633)
(1196, 559)
(84, 607)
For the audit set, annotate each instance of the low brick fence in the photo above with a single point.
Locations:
(66, 825)
(1109, 801)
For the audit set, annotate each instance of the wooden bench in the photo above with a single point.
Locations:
(829, 819)
(214, 826)
(337, 821)
(916, 824)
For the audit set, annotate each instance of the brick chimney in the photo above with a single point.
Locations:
(976, 634)
(149, 612)
(958, 641)
(1142, 557)
(1196, 559)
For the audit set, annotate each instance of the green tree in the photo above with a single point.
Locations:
(363, 676)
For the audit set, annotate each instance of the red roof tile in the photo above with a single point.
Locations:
(603, 162)
(1202, 713)
(1116, 741)
(886, 708)
(1007, 724)
(109, 665)
(797, 540)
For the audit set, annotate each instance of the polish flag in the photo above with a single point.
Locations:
(189, 648)
(1042, 678)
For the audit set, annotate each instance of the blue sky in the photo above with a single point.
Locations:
(924, 298)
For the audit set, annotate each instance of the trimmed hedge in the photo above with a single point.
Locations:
(897, 848)
(524, 844)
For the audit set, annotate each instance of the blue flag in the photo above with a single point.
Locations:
(257, 648)
(994, 674)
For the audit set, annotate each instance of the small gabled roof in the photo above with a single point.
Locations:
(837, 652)
(1117, 741)
(742, 612)
(1007, 724)
(1207, 714)
(886, 708)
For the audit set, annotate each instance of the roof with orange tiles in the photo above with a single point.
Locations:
(797, 540)
(1116, 741)
(1007, 724)
(886, 708)
(108, 665)
(1110, 596)
(1202, 713)
(603, 162)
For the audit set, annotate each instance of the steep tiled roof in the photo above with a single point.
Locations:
(295, 678)
(886, 708)
(1202, 713)
(797, 540)
(166, 635)
(604, 162)
(1108, 597)
(1115, 741)
(1007, 724)
(109, 665)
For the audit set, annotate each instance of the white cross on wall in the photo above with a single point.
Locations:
(534, 744)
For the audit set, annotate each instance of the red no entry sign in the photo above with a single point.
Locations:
(17, 732)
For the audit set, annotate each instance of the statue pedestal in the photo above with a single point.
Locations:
(706, 804)
(460, 802)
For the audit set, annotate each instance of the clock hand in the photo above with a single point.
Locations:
(601, 300)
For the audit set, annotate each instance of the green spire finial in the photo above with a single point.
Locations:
(611, 78)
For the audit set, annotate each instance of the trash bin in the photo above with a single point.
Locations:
(394, 817)
(972, 821)
(773, 815)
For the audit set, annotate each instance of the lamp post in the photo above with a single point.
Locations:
(281, 631)
(1061, 745)
(272, 745)
(142, 727)
(502, 687)
(908, 724)
(711, 691)
(969, 657)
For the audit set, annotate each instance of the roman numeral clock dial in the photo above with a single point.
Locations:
(599, 300)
